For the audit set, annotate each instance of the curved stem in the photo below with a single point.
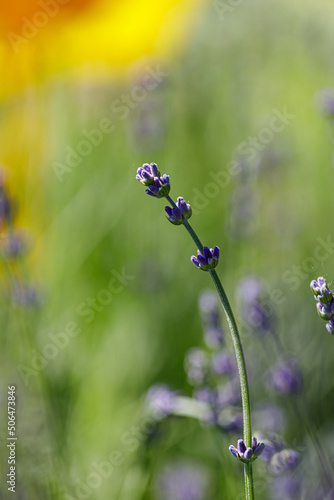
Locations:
(246, 407)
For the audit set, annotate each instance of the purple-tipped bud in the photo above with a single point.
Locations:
(259, 449)
(206, 260)
(234, 451)
(254, 442)
(321, 291)
(184, 207)
(248, 454)
(215, 253)
(241, 446)
(147, 173)
(176, 215)
(325, 311)
(330, 326)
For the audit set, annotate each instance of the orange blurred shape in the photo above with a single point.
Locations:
(12, 11)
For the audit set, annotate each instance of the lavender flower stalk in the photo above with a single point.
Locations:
(207, 260)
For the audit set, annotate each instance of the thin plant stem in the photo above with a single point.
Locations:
(246, 407)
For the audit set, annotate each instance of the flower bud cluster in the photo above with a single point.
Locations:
(325, 302)
(177, 214)
(207, 259)
(157, 186)
(247, 454)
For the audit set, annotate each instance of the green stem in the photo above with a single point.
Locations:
(249, 483)
(246, 407)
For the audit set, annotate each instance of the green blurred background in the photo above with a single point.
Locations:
(79, 404)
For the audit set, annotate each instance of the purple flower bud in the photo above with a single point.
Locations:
(234, 451)
(330, 326)
(184, 207)
(160, 187)
(321, 291)
(174, 215)
(248, 454)
(147, 173)
(259, 449)
(207, 260)
(325, 311)
(254, 442)
(178, 214)
(241, 446)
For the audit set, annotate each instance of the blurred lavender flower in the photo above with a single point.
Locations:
(249, 295)
(161, 400)
(6, 205)
(325, 302)
(208, 307)
(284, 461)
(285, 378)
(224, 363)
(177, 215)
(207, 260)
(247, 454)
(26, 295)
(209, 311)
(269, 417)
(273, 444)
(196, 366)
(230, 420)
(286, 487)
(206, 395)
(182, 481)
(325, 101)
(13, 244)
(228, 394)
